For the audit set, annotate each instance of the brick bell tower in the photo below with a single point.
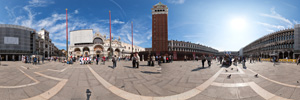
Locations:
(159, 27)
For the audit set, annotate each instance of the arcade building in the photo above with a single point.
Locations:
(281, 44)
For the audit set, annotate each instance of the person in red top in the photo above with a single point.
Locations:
(103, 60)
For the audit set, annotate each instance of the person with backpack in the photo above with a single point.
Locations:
(137, 60)
(97, 60)
(298, 60)
(103, 60)
(133, 60)
(203, 58)
(153, 60)
(114, 60)
(209, 60)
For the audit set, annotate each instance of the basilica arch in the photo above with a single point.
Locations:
(77, 52)
(98, 49)
(98, 40)
(117, 52)
(86, 51)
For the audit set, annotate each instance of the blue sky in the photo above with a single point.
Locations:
(221, 24)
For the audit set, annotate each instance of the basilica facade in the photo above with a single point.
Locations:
(85, 43)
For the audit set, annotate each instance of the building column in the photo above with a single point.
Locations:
(13, 58)
(6, 57)
(289, 55)
(293, 55)
(142, 57)
(20, 57)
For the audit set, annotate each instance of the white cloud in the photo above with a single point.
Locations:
(270, 31)
(115, 21)
(140, 34)
(56, 25)
(60, 44)
(119, 7)
(271, 26)
(39, 3)
(285, 23)
(296, 22)
(275, 15)
(176, 1)
(10, 11)
(76, 11)
(149, 32)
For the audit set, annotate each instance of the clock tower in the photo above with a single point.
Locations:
(159, 27)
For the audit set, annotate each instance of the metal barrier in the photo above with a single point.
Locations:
(282, 60)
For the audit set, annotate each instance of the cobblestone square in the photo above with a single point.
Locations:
(171, 81)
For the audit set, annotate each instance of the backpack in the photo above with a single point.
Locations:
(113, 59)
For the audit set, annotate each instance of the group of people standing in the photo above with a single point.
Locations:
(159, 59)
(204, 58)
(89, 60)
(34, 60)
(135, 61)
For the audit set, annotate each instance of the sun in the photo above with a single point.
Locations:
(238, 24)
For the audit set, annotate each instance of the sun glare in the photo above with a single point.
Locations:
(238, 24)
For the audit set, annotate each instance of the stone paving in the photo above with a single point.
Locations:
(171, 81)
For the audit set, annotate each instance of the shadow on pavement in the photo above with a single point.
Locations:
(111, 67)
(226, 66)
(146, 66)
(128, 66)
(149, 72)
(3, 65)
(199, 68)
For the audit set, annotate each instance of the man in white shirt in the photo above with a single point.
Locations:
(137, 60)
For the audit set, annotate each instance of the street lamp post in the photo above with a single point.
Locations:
(88, 94)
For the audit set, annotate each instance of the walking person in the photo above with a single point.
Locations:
(170, 58)
(164, 59)
(274, 60)
(159, 60)
(209, 60)
(153, 59)
(34, 60)
(43, 59)
(103, 60)
(114, 60)
(298, 60)
(81, 60)
(149, 61)
(221, 58)
(244, 62)
(97, 60)
(203, 58)
(133, 60)
(38, 60)
(137, 60)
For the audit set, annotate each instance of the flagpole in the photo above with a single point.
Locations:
(67, 33)
(132, 37)
(110, 49)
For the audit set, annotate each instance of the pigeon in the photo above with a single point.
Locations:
(231, 68)
(256, 75)
(229, 76)
(237, 70)
(27, 67)
(297, 81)
(226, 70)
